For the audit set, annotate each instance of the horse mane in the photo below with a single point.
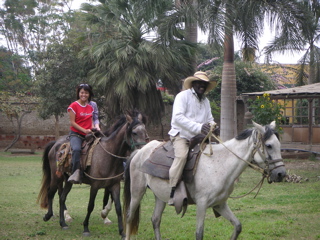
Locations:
(121, 120)
(248, 132)
(135, 114)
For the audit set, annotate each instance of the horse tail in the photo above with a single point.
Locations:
(46, 177)
(135, 219)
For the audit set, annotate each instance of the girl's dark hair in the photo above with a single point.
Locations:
(85, 87)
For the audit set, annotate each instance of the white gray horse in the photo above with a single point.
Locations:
(213, 180)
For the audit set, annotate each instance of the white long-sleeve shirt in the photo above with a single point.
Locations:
(189, 114)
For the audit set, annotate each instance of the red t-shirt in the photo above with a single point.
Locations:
(83, 116)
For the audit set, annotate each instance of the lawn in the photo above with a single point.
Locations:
(280, 210)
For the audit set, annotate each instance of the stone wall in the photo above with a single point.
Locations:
(36, 133)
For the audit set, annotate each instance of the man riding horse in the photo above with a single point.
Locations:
(191, 116)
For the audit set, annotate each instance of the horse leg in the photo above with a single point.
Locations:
(93, 194)
(52, 191)
(66, 214)
(225, 211)
(201, 214)
(62, 204)
(106, 208)
(133, 210)
(156, 217)
(115, 191)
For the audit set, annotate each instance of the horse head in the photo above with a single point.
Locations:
(136, 134)
(267, 151)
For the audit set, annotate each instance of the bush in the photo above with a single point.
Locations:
(265, 111)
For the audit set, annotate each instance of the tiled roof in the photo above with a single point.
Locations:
(306, 91)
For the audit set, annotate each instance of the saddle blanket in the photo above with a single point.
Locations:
(160, 161)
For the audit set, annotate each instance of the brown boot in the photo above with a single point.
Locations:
(75, 177)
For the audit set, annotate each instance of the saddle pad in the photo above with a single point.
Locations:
(160, 161)
(64, 156)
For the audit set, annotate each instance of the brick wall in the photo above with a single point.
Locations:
(36, 133)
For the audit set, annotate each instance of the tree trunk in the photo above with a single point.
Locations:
(18, 134)
(228, 87)
(312, 66)
(191, 26)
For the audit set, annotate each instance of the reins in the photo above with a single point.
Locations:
(132, 147)
(256, 148)
(103, 178)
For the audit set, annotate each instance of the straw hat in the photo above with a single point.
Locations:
(202, 76)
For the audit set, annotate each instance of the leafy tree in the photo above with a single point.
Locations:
(208, 57)
(305, 39)
(57, 81)
(129, 63)
(16, 98)
(14, 76)
(227, 18)
(29, 25)
(15, 107)
(249, 78)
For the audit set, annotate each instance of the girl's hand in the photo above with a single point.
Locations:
(87, 131)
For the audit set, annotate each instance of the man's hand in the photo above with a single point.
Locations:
(205, 128)
(216, 131)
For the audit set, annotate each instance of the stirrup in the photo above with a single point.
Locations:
(75, 177)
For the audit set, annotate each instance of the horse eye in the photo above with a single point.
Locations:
(268, 146)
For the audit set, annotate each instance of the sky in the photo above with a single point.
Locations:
(278, 58)
(265, 39)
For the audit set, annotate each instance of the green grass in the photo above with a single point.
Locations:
(280, 211)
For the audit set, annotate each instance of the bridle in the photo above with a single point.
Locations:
(131, 140)
(258, 144)
(260, 148)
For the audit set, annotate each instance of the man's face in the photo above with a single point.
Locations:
(200, 87)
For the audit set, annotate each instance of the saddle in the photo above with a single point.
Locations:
(64, 155)
(160, 161)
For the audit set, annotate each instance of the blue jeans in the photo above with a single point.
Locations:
(76, 141)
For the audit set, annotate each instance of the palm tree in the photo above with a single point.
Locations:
(245, 19)
(128, 62)
(304, 40)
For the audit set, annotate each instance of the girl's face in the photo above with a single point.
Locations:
(84, 95)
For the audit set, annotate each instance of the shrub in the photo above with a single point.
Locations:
(265, 111)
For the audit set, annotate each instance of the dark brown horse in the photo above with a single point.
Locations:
(106, 169)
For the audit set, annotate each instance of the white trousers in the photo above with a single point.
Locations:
(181, 148)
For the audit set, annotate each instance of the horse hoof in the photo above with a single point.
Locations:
(46, 219)
(86, 234)
(107, 221)
(103, 214)
(68, 219)
(65, 228)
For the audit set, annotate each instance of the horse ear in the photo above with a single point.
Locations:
(273, 125)
(129, 118)
(259, 127)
